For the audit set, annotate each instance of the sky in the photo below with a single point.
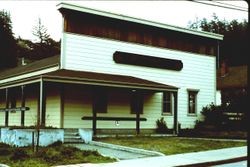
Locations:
(25, 14)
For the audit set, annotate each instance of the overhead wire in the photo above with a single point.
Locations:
(216, 5)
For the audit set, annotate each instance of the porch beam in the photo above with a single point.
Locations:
(7, 106)
(176, 130)
(22, 105)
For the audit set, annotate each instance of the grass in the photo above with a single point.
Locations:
(171, 145)
(56, 154)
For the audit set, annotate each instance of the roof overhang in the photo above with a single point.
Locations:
(107, 80)
(96, 79)
(137, 20)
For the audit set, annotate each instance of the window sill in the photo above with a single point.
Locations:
(167, 114)
(192, 115)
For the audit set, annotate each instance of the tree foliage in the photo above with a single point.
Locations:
(40, 31)
(46, 46)
(8, 54)
(43, 48)
(234, 47)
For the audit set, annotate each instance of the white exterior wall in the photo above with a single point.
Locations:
(31, 101)
(85, 53)
(218, 97)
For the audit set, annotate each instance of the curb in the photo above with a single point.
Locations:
(128, 149)
(219, 162)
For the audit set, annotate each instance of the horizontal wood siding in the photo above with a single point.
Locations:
(2, 105)
(53, 106)
(85, 53)
(32, 94)
(78, 103)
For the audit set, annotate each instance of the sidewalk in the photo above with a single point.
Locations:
(177, 160)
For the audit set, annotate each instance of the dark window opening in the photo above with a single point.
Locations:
(192, 102)
(167, 103)
(136, 103)
(100, 102)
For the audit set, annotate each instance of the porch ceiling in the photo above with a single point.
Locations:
(91, 78)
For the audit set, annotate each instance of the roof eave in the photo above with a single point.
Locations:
(137, 20)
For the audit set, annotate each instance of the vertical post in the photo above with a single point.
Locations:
(94, 121)
(137, 122)
(94, 111)
(7, 107)
(62, 96)
(176, 130)
(42, 104)
(22, 105)
(39, 111)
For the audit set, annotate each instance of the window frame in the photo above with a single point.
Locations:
(165, 102)
(195, 93)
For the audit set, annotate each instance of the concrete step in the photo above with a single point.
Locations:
(73, 140)
(72, 136)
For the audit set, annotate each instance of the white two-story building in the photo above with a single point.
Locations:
(115, 74)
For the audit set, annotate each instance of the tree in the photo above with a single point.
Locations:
(8, 54)
(45, 47)
(40, 31)
(234, 47)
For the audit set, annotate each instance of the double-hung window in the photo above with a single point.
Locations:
(192, 102)
(167, 105)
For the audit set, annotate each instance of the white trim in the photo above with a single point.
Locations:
(106, 84)
(62, 55)
(24, 76)
(20, 84)
(137, 20)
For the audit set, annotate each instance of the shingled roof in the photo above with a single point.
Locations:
(83, 77)
(235, 78)
(34, 66)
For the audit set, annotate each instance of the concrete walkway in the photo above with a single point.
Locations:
(187, 159)
(110, 152)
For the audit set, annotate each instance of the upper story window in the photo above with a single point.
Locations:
(192, 102)
(167, 103)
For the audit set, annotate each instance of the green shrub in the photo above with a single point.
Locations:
(50, 155)
(56, 144)
(69, 151)
(86, 153)
(19, 154)
(3, 145)
(161, 126)
(5, 151)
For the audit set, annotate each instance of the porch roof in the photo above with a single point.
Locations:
(102, 79)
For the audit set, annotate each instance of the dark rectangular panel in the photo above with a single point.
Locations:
(147, 61)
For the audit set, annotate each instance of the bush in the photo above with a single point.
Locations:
(56, 144)
(86, 153)
(19, 154)
(161, 126)
(5, 151)
(69, 151)
(50, 155)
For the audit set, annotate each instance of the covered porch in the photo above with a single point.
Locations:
(103, 93)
